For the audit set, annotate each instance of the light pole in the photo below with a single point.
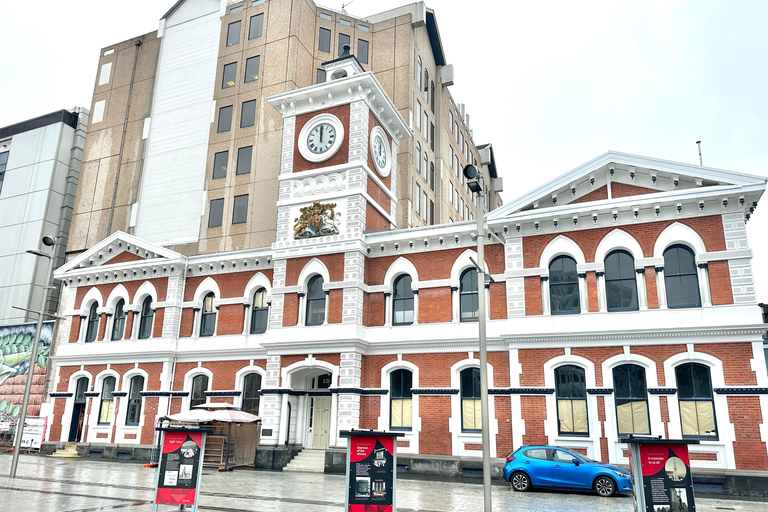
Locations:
(50, 242)
(474, 182)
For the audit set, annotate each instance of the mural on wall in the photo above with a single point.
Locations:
(16, 353)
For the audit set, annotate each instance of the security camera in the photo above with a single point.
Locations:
(49, 241)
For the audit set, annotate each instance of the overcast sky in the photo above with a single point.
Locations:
(551, 84)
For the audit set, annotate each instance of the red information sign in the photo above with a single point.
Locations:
(371, 473)
(667, 483)
(179, 468)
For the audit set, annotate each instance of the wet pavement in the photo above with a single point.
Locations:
(68, 485)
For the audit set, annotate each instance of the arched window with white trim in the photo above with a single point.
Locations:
(133, 414)
(468, 300)
(401, 400)
(251, 389)
(571, 393)
(146, 319)
(208, 316)
(620, 281)
(315, 301)
(118, 322)
(680, 277)
(471, 411)
(259, 312)
(92, 329)
(696, 399)
(402, 301)
(107, 405)
(199, 387)
(631, 397)
(564, 286)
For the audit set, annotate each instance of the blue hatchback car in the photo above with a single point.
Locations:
(552, 466)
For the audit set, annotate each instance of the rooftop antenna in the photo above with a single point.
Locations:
(343, 11)
(698, 143)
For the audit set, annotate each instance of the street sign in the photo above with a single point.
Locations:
(33, 433)
(371, 470)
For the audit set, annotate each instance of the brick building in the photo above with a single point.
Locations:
(621, 301)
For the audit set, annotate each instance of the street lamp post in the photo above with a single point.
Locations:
(475, 179)
(50, 242)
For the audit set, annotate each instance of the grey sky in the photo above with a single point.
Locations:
(551, 84)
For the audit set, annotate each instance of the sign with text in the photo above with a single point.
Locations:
(33, 433)
(667, 484)
(180, 468)
(371, 473)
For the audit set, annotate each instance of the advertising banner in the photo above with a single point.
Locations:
(667, 483)
(180, 465)
(371, 473)
(34, 433)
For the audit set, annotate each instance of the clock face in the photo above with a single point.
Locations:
(321, 138)
(379, 152)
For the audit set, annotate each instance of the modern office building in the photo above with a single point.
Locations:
(183, 112)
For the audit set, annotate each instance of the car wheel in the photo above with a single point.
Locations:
(605, 486)
(520, 481)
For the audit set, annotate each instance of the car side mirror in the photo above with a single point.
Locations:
(576, 461)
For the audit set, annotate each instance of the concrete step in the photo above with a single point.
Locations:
(308, 461)
(69, 451)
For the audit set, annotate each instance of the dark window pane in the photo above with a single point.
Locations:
(324, 40)
(134, 401)
(147, 315)
(118, 324)
(402, 301)
(225, 119)
(93, 324)
(252, 68)
(252, 385)
(680, 278)
(320, 76)
(684, 377)
(208, 316)
(343, 39)
(233, 33)
(315, 302)
(257, 26)
(216, 213)
(470, 383)
(81, 389)
(199, 387)
(259, 312)
(432, 96)
(563, 285)
(240, 210)
(220, 164)
(248, 116)
(468, 301)
(229, 76)
(362, 50)
(244, 160)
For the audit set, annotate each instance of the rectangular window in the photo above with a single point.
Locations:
(432, 136)
(424, 211)
(456, 199)
(343, 39)
(256, 27)
(320, 76)
(461, 209)
(450, 160)
(431, 213)
(466, 212)
(107, 401)
(425, 125)
(248, 115)
(240, 210)
(257, 2)
(134, 401)
(252, 68)
(416, 196)
(244, 160)
(3, 164)
(229, 76)
(233, 33)
(324, 40)
(325, 16)
(220, 165)
(236, 9)
(364, 28)
(456, 130)
(225, 119)
(450, 120)
(345, 22)
(450, 198)
(216, 213)
(461, 144)
(458, 167)
(418, 115)
(362, 51)
(400, 382)
(432, 96)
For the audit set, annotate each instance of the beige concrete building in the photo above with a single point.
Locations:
(184, 151)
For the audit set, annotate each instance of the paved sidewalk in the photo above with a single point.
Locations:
(68, 485)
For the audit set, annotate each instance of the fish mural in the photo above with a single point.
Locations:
(15, 357)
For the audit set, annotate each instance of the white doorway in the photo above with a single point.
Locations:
(320, 422)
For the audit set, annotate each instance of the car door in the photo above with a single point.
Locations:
(536, 462)
(567, 474)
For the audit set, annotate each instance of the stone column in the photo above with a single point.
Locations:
(173, 300)
(270, 406)
(348, 402)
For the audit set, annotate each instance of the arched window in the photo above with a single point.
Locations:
(468, 305)
(80, 389)
(400, 403)
(199, 387)
(563, 286)
(402, 301)
(571, 389)
(697, 406)
(93, 324)
(315, 302)
(107, 401)
(259, 312)
(147, 315)
(251, 388)
(631, 398)
(680, 278)
(471, 412)
(134, 400)
(620, 281)
(118, 324)
(208, 316)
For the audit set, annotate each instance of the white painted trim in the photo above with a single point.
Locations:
(459, 438)
(559, 246)
(678, 233)
(618, 239)
(412, 436)
(188, 377)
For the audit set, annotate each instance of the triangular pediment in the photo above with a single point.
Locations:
(628, 176)
(116, 250)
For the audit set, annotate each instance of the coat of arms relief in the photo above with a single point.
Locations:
(318, 219)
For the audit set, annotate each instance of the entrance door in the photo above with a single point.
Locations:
(321, 422)
(76, 425)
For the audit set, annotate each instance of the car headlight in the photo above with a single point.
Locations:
(621, 473)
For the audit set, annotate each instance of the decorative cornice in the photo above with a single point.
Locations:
(91, 394)
(662, 391)
(119, 394)
(222, 393)
(599, 391)
(741, 391)
(179, 393)
(434, 391)
(148, 394)
(531, 391)
(644, 334)
(60, 395)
